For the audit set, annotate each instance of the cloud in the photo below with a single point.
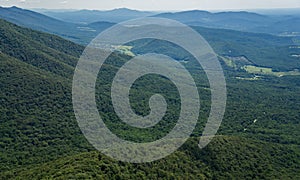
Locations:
(63, 2)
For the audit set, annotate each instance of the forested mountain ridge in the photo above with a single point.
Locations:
(260, 49)
(226, 157)
(40, 138)
(90, 16)
(36, 21)
(37, 121)
(75, 32)
(240, 21)
(42, 50)
(277, 52)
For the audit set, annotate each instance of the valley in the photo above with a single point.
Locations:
(40, 137)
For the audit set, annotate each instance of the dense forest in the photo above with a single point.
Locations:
(40, 138)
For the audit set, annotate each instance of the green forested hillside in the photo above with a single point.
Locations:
(37, 121)
(40, 138)
(261, 49)
(281, 53)
(225, 158)
(37, 21)
(41, 50)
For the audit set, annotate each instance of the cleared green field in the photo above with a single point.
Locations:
(268, 71)
(228, 62)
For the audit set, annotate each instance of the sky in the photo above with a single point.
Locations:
(153, 4)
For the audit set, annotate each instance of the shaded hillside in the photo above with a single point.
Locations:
(261, 49)
(72, 31)
(37, 21)
(41, 50)
(40, 138)
(224, 158)
(37, 121)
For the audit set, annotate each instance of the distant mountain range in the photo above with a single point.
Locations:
(76, 22)
(75, 32)
(241, 21)
(35, 20)
(224, 42)
(274, 23)
(40, 138)
(90, 16)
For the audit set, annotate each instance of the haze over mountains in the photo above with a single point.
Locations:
(64, 23)
(76, 25)
(226, 42)
(241, 21)
(72, 31)
(238, 20)
(90, 16)
(39, 137)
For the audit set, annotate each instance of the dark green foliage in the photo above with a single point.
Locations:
(41, 50)
(39, 136)
(232, 157)
(225, 158)
(37, 121)
(261, 49)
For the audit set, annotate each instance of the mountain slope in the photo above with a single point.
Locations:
(224, 20)
(240, 21)
(33, 20)
(37, 121)
(47, 52)
(40, 138)
(261, 49)
(225, 157)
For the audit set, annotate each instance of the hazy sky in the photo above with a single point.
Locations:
(153, 4)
